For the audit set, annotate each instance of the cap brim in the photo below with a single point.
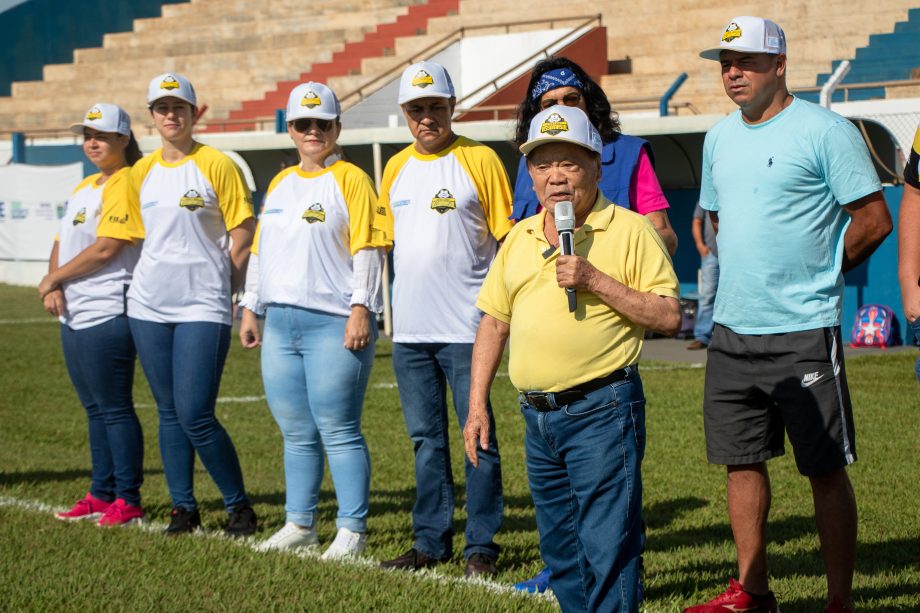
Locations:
(712, 54)
(77, 128)
(420, 95)
(310, 115)
(529, 146)
(716, 54)
(171, 95)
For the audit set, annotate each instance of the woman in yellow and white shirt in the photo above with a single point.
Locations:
(197, 216)
(89, 271)
(315, 270)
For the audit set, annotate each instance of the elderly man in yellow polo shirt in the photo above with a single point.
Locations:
(581, 394)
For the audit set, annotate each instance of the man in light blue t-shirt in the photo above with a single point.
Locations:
(795, 201)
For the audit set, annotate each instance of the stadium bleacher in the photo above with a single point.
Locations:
(243, 61)
(890, 56)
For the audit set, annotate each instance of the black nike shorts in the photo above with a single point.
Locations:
(761, 386)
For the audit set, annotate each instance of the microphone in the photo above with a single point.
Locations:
(564, 216)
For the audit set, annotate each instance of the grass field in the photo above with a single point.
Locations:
(46, 565)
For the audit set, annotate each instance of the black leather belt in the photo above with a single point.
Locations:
(553, 401)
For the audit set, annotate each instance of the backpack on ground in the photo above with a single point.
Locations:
(874, 326)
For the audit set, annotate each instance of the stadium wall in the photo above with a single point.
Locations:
(56, 27)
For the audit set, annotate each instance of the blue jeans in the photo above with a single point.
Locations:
(584, 468)
(709, 283)
(423, 371)
(100, 361)
(915, 326)
(183, 363)
(315, 390)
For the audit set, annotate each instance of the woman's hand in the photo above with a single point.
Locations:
(358, 328)
(54, 302)
(48, 284)
(250, 335)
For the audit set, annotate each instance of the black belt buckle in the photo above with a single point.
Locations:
(540, 401)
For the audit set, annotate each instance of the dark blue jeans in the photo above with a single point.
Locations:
(183, 363)
(423, 371)
(100, 362)
(915, 326)
(584, 468)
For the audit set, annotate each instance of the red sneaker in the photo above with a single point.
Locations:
(89, 507)
(734, 600)
(120, 513)
(835, 606)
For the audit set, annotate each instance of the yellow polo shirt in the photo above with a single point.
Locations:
(554, 350)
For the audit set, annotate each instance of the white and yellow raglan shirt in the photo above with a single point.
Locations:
(448, 210)
(94, 211)
(912, 168)
(313, 230)
(187, 208)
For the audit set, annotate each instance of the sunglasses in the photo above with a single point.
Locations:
(302, 125)
(570, 99)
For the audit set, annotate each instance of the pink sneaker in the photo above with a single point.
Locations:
(735, 599)
(85, 508)
(120, 513)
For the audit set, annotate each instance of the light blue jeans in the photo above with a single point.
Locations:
(315, 390)
(709, 283)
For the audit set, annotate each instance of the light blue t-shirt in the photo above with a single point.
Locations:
(779, 187)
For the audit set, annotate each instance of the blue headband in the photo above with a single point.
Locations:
(552, 79)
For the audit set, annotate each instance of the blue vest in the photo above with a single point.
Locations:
(619, 160)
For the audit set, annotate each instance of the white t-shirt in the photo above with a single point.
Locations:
(187, 208)
(98, 211)
(311, 225)
(449, 210)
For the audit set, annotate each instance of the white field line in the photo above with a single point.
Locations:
(156, 527)
(392, 384)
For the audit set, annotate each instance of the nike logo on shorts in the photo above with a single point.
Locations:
(811, 378)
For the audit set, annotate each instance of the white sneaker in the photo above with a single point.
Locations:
(346, 544)
(291, 536)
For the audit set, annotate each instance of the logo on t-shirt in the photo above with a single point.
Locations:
(80, 217)
(443, 201)
(554, 124)
(310, 100)
(117, 219)
(314, 213)
(191, 201)
(732, 32)
(422, 79)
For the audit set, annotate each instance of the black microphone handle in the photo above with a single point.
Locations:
(567, 247)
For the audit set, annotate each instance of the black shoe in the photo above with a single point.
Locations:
(242, 522)
(183, 521)
(480, 565)
(412, 560)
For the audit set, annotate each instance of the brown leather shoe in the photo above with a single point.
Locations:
(412, 560)
(480, 565)
(697, 345)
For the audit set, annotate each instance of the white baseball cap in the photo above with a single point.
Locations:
(751, 35)
(565, 124)
(104, 117)
(171, 84)
(313, 100)
(424, 80)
